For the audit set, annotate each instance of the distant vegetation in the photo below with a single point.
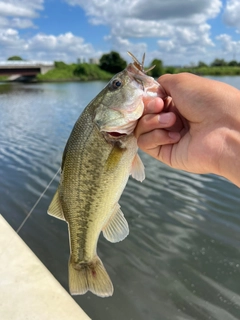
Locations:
(15, 58)
(211, 71)
(112, 63)
(74, 72)
(219, 67)
(86, 71)
(157, 70)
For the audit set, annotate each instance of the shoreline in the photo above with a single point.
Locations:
(198, 72)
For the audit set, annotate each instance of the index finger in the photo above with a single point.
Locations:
(152, 105)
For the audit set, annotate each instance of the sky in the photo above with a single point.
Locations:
(179, 32)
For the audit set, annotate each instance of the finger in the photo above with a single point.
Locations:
(166, 81)
(153, 105)
(168, 103)
(150, 122)
(152, 142)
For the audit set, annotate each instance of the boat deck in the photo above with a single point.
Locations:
(27, 289)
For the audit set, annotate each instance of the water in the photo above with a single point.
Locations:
(181, 259)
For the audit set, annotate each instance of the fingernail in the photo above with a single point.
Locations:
(174, 135)
(164, 118)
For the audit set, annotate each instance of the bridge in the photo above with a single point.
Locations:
(24, 68)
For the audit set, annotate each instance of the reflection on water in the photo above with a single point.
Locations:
(181, 259)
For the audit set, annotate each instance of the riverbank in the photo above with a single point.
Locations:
(91, 72)
(212, 71)
(74, 72)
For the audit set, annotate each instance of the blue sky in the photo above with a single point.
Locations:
(179, 32)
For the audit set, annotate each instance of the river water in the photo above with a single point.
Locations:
(181, 259)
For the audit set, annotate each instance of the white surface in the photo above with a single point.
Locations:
(28, 291)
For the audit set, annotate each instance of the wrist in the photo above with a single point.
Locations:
(229, 159)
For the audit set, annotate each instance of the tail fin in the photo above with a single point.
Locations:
(91, 276)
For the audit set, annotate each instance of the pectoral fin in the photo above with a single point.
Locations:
(116, 228)
(138, 171)
(55, 208)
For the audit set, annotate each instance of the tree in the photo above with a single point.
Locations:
(60, 64)
(169, 69)
(83, 69)
(112, 62)
(233, 63)
(219, 63)
(202, 64)
(158, 70)
(17, 58)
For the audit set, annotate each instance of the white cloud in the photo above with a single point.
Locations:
(66, 47)
(141, 11)
(177, 26)
(18, 14)
(178, 32)
(108, 11)
(24, 8)
(58, 46)
(123, 45)
(230, 47)
(4, 22)
(10, 43)
(22, 23)
(176, 10)
(231, 15)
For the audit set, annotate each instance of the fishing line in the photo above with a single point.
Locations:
(36, 203)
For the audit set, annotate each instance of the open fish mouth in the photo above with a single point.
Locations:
(118, 131)
(116, 134)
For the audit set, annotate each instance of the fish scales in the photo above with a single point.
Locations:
(88, 197)
(99, 156)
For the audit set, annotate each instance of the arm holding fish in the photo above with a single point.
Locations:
(196, 128)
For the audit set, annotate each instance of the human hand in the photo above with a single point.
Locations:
(196, 128)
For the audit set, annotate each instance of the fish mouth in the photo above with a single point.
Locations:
(116, 134)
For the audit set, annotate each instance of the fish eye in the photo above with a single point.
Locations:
(116, 84)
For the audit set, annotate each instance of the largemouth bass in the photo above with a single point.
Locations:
(99, 156)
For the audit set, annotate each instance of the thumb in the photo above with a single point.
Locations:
(182, 89)
(167, 82)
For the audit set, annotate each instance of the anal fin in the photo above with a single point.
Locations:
(116, 228)
(55, 208)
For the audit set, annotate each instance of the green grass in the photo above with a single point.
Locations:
(3, 78)
(211, 71)
(74, 72)
(87, 71)
(59, 73)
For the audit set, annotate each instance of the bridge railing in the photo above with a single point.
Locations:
(26, 63)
